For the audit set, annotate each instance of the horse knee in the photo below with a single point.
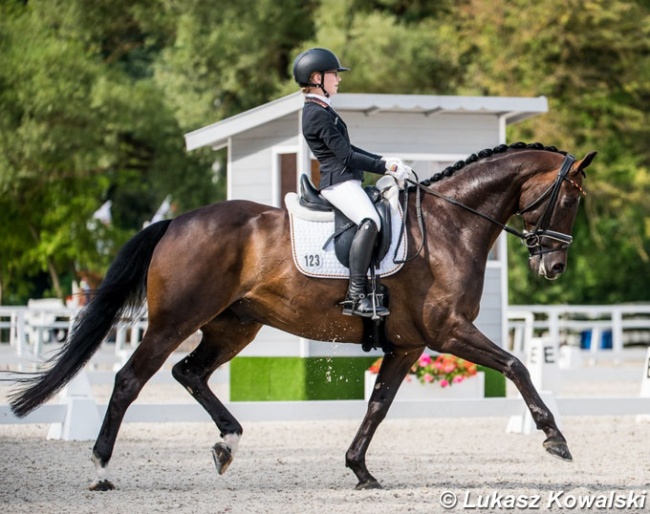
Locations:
(515, 370)
(126, 385)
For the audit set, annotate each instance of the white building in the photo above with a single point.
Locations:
(267, 154)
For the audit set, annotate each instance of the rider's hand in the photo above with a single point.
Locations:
(398, 170)
(392, 163)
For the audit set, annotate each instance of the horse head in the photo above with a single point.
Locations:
(549, 204)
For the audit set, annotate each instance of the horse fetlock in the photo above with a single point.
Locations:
(358, 467)
(101, 483)
(99, 461)
(232, 442)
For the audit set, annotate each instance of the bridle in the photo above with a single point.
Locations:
(532, 239)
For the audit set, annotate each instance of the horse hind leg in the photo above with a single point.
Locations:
(222, 339)
(156, 346)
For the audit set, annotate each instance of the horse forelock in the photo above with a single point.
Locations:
(484, 154)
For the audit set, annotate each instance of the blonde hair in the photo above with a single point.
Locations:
(308, 89)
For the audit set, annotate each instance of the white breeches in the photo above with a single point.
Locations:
(350, 198)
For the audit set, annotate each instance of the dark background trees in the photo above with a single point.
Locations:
(95, 97)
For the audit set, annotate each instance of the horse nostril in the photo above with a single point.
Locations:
(558, 267)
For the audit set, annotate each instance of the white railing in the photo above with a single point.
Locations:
(602, 330)
(599, 330)
(28, 328)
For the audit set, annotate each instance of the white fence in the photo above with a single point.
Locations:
(602, 331)
(31, 330)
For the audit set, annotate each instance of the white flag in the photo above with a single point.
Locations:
(103, 214)
(163, 210)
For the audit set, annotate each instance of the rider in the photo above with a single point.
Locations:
(342, 164)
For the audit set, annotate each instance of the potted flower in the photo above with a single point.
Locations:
(441, 376)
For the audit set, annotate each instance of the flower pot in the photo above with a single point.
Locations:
(413, 389)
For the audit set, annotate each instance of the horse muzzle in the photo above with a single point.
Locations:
(549, 263)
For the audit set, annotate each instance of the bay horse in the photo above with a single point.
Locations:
(227, 270)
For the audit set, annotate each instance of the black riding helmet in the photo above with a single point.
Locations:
(315, 59)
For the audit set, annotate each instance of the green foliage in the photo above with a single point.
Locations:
(95, 96)
(81, 122)
(591, 59)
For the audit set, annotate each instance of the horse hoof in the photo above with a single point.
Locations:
(102, 485)
(558, 449)
(222, 457)
(368, 484)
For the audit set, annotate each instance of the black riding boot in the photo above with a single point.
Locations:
(357, 300)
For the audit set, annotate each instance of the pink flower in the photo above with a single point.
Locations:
(428, 377)
(449, 367)
(425, 360)
(458, 379)
(444, 383)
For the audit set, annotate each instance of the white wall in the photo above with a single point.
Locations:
(250, 159)
(250, 177)
(392, 133)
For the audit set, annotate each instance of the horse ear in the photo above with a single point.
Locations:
(584, 163)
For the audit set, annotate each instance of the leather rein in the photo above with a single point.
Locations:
(531, 239)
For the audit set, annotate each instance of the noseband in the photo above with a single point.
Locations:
(531, 238)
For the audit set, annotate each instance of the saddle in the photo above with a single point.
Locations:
(344, 228)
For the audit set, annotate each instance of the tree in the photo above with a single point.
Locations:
(77, 129)
(95, 96)
(591, 59)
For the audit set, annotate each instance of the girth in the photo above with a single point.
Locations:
(344, 228)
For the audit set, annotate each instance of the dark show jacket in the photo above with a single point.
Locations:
(327, 137)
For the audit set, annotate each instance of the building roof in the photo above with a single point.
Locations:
(512, 109)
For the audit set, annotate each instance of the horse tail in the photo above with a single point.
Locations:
(121, 295)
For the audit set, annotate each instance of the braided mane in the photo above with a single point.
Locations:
(450, 170)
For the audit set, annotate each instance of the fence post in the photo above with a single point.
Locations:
(18, 331)
(617, 331)
(542, 364)
(645, 385)
(82, 421)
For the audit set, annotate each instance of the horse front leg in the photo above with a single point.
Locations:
(394, 367)
(469, 343)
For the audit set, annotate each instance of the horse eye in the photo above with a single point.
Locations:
(568, 201)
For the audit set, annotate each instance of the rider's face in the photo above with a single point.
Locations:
(332, 79)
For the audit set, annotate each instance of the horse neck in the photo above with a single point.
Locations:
(492, 187)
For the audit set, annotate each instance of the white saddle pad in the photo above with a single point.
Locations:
(311, 229)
